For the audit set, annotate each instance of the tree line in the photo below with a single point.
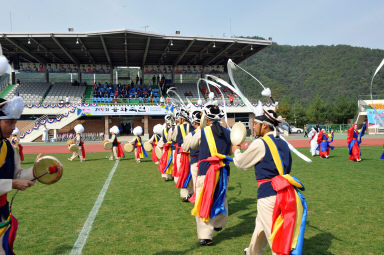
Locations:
(315, 84)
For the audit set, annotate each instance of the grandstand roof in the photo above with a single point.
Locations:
(127, 48)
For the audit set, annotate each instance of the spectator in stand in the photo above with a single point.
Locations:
(157, 79)
(137, 79)
(154, 80)
(230, 99)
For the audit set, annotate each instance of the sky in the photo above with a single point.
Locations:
(288, 22)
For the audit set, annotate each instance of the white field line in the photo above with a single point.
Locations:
(83, 236)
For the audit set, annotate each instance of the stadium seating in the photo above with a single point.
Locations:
(60, 92)
(32, 93)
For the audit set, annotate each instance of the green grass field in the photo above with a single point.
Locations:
(142, 214)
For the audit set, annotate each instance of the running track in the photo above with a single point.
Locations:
(51, 149)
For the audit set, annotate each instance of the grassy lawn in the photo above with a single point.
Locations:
(142, 214)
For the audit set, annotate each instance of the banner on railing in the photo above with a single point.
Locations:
(120, 110)
(374, 118)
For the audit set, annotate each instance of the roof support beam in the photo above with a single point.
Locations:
(72, 58)
(219, 54)
(126, 49)
(205, 49)
(240, 51)
(146, 51)
(46, 50)
(184, 52)
(88, 53)
(165, 51)
(105, 50)
(38, 59)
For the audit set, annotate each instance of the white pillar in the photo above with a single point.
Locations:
(117, 77)
(94, 78)
(55, 134)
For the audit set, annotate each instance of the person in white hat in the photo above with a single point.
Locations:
(16, 143)
(117, 151)
(271, 159)
(165, 143)
(154, 140)
(182, 159)
(214, 144)
(195, 117)
(138, 144)
(79, 129)
(12, 176)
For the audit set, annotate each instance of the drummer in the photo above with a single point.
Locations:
(16, 144)
(138, 144)
(79, 129)
(165, 163)
(117, 151)
(182, 158)
(12, 176)
(211, 207)
(157, 130)
(195, 117)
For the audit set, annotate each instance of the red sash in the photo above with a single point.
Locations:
(21, 152)
(174, 172)
(163, 160)
(3, 199)
(82, 149)
(286, 206)
(138, 151)
(154, 157)
(120, 153)
(183, 170)
(209, 186)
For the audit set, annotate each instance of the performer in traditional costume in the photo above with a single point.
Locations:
(12, 176)
(157, 130)
(313, 134)
(195, 117)
(16, 143)
(183, 166)
(117, 151)
(165, 143)
(79, 129)
(138, 144)
(213, 142)
(354, 140)
(281, 208)
(323, 143)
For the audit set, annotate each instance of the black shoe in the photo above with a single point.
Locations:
(206, 242)
(218, 229)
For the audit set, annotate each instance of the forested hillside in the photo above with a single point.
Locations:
(321, 82)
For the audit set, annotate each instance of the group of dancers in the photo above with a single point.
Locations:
(320, 142)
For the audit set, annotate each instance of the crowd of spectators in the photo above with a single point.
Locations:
(119, 91)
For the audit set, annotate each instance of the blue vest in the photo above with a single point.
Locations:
(266, 169)
(223, 145)
(114, 143)
(164, 137)
(194, 153)
(179, 137)
(7, 171)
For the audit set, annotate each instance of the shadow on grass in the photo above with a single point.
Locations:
(63, 249)
(245, 227)
(167, 252)
(320, 243)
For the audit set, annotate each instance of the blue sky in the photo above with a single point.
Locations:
(288, 22)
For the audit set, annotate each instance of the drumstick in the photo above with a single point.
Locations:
(51, 170)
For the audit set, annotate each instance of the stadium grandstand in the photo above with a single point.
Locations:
(110, 78)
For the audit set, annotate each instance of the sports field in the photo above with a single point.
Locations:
(142, 214)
